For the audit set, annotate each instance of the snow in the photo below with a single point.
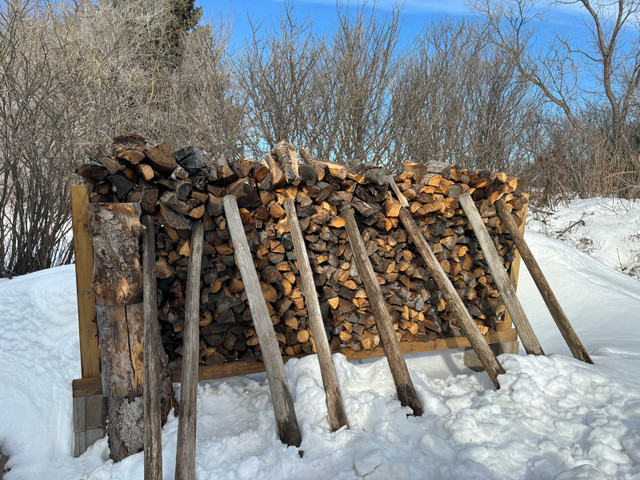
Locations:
(553, 418)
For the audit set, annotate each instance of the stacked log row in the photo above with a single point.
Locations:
(182, 187)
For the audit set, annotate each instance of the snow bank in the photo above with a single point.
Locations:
(553, 418)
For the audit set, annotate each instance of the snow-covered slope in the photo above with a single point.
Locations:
(553, 418)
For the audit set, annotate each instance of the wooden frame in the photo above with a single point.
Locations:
(90, 383)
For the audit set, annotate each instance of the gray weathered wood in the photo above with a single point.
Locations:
(454, 302)
(399, 371)
(567, 331)
(286, 420)
(186, 451)
(335, 406)
(499, 273)
(151, 383)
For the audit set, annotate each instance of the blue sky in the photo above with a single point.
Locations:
(415, 14)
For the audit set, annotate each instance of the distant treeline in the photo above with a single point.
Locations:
(481, 93)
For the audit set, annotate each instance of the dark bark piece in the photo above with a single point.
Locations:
(174, 219)
(92, 172)
(121, 184)
(246, 193)
(190, 158)
(128, 141)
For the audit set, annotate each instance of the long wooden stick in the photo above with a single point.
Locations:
(567, 331)
(520, 320)
(335, 406)
(285, 413)
(186, 451)
(151, 385)
(454, 302)
(399, 371)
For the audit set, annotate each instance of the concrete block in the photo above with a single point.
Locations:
(93, 435)
(96, 409)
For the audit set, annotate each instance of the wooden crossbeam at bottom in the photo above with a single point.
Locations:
(84, 387)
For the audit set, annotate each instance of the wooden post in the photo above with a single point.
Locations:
(117, 283)
(286, 420)
(520, 320)
(567, 331)
(335, 406)
(87, 326)
(186, 451)
(469, 328)
(399, 371)
(152, 340)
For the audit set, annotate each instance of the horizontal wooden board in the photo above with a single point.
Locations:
(93, 386)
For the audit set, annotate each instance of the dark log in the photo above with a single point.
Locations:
(190, 158)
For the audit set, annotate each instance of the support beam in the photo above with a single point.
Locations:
(335, 406)
(286, 420)
(399, 371)
(520, 320)
(567, 331)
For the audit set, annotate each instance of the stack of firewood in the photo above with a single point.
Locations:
(182, 187)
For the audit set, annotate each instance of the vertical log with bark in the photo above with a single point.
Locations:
(115, 230)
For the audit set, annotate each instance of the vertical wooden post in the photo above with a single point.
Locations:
(286, 420)
(117, 283)
(567, 331)
(152, 340)
(335, 406)
(399, 371)
(87, 326)
(477, 341)
(186, 452)
(520, 320)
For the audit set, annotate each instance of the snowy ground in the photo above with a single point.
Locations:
(553, 418)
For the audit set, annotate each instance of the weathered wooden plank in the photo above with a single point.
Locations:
(567, 331)
(151, 387)
(83, 387)
(399, 371)
(186, 451)
(286, 420)
(520, 320)
(87, 326)
(335, 406)
(514, 271)
(454, 302)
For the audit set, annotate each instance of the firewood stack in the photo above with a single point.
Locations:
(182, 187)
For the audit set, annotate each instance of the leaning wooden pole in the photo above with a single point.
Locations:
(186, 451)
(454, 302)
(335, 406)
(399, 371)
(286, 420)
(567, 331)
(499, 273)
(151, 344)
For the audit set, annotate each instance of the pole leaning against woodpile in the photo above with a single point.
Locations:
(520, 320)
(186, 451)
(568, 333)
(288, 429)
(399, 371)
(335, 405)
(152, 351)
(477, 341)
